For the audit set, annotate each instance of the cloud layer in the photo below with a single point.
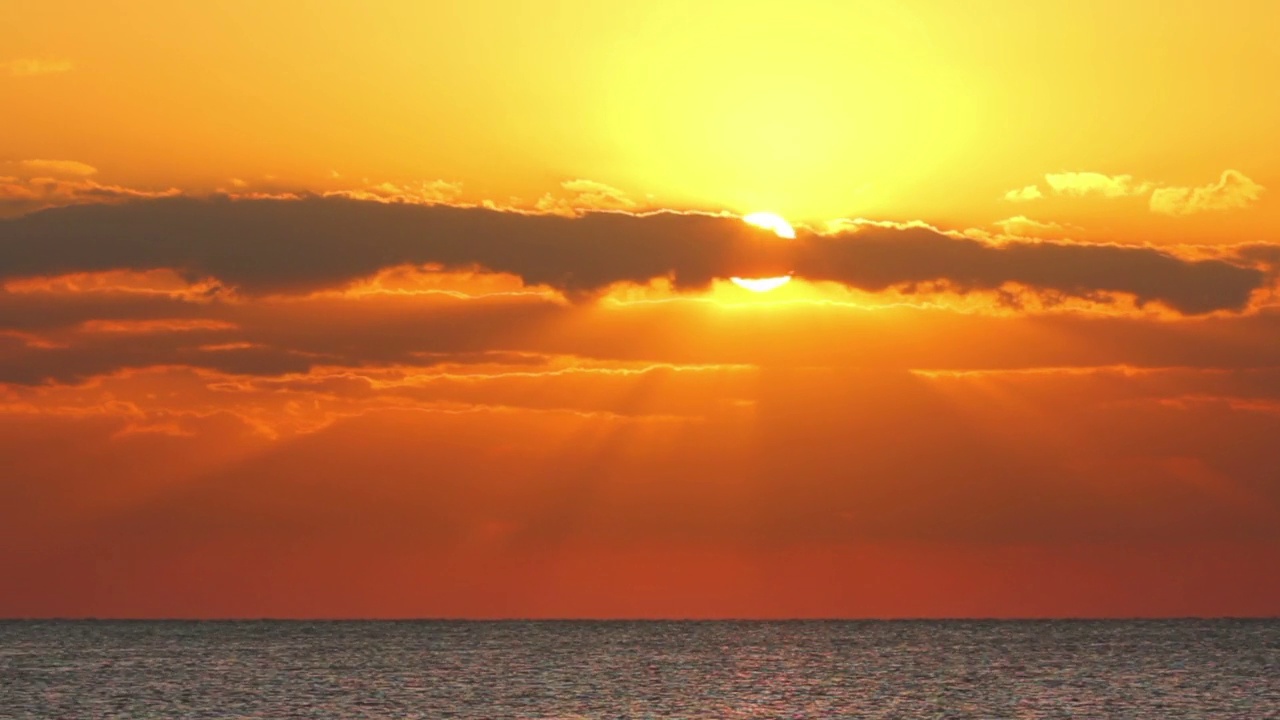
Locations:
(1233, 191)
(263, 247)
(1080, 184)
(59, 167)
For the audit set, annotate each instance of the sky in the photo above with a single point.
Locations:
(406, 309)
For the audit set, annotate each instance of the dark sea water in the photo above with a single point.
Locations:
(1040, 669)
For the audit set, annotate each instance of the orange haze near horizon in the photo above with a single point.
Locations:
(414, 310)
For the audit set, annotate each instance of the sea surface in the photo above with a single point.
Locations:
(713, 670)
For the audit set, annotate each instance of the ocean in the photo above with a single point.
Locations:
(644, 669)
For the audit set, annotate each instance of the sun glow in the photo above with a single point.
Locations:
(761, 284)
(771, 221)
(781, 228)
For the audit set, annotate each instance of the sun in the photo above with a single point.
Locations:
(782, 229)
(761, 284)
(771, 221)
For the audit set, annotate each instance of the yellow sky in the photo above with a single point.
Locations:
(909, 110)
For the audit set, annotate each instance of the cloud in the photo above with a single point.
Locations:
(1081, 184)
(276, 246)
(1026, 194)
(70, 337)
(71, 332)
(156, 325)
(879, 258)
(586, 195)
(60, 167)
(1232, 191)
(27, 67)
(423, 192)
(20, 196)
(1269, 254)
(1023, 226)
(263, 247)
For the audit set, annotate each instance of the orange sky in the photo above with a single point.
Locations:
(408, 309)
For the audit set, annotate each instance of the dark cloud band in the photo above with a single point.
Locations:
(284, 246)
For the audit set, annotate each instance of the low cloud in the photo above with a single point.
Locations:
(284, 246)
(1023, 226)
(72, 331)
(264, 247)
(59, 167)
(880, 258)
(1026, 194)
(1081, 184)
(422, 193)
(586, 195)
(1232, 191)
(19, 196)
